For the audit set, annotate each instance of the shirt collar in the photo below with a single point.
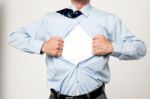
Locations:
(85, 10)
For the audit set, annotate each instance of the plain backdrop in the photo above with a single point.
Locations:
(23, 76)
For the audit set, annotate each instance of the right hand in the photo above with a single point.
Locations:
(53, 46)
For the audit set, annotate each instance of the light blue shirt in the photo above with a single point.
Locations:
(87, 75)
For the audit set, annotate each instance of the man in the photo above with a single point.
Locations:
(86, 79)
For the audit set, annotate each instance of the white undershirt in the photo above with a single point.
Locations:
(77, 45)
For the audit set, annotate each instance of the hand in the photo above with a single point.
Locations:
(54, 46)
(101, 46)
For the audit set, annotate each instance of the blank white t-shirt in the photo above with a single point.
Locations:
(77, 46)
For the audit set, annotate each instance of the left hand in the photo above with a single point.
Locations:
(101, 46)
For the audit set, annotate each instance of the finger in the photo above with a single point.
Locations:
(58, 44)
(58, 38)
(61, 43)
(59, 53)
(94, 52)
(99, 48)
(98, 37)
(94, 41)
(59, 47)
(94, 45)
(97, 52)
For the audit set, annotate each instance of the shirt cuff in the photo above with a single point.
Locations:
(117, 49)
(37, 46)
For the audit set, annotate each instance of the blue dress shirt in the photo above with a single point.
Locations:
(89, 74)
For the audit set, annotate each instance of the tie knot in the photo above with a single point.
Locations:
(77, 13)
(69, 13)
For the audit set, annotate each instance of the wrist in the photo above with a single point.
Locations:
(110, 47)
(43, 48)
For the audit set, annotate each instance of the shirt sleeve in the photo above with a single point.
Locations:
(31, 37)
(126, 46)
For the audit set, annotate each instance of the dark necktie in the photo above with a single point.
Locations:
(69, 13)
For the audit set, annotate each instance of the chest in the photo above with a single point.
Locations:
(63, 26)
(77, 35)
